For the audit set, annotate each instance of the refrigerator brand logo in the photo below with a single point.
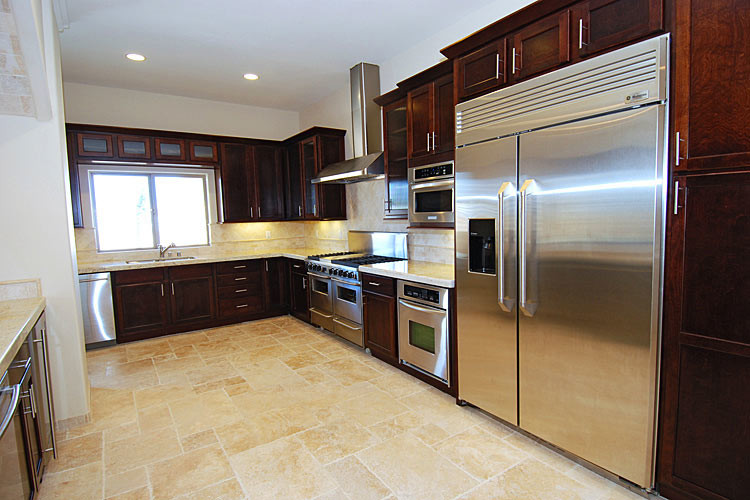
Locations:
(638, 96)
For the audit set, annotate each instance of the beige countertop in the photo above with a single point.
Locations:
(429, 273)
(105, 267)
(17, 318)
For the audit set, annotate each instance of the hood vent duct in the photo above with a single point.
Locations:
(368, 163)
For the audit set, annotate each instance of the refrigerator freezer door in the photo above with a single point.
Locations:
(486, 286)
(593, 223)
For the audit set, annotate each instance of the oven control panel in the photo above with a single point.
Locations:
(429, 172)
(425, 294)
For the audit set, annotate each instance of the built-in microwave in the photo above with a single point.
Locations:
(431, 195)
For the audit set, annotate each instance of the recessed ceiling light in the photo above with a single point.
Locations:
(135, 57)
(250, 76)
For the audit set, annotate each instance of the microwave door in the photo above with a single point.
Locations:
(432, 202)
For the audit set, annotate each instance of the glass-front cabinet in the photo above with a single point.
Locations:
(396, 187)
(309, 170)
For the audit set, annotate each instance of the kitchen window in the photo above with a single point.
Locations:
(138, 209)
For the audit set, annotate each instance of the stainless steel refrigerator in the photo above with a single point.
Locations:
(560, 209)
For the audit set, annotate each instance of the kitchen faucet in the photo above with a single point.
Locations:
(163, 250)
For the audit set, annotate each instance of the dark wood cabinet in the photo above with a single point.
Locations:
(379, 317)
(482, 70)
(95, 145)
(134, 147)
(705, 403)
(295, 183)
(141, 304)
(75, 184)
(541, 46)
(598, 25)
(298, 290)
(192, 293)
(169, 149)
(308, 158)
(332, 196)
(269, 182)
(711, 68)
(430, 118)
(203, 151)
(240, 286)
(396, 204)
(275, 286)
(237, 183)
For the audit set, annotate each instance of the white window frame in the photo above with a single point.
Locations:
(86, 175)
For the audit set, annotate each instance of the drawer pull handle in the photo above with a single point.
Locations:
(373, 284)
(240, 267)
(240, 279)
(240, 306)
(240, 291)
(297, 265)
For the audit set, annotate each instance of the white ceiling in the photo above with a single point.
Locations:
(301, 49)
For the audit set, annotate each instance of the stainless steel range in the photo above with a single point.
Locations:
(335, 289)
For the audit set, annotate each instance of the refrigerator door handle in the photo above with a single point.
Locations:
(527, 307)
(505, 304)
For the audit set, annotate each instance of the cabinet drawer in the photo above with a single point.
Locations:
(240, 306)
(239, 279)
(379, 284)
(139, 276)
(194, 271)
(297, 266)
(238, 266)
(233, 292)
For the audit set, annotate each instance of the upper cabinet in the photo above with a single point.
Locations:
(541, 46)
(598, 25)
(308, 153)
(95, 145)
(135, 147)
(237, 183)
(269, 182)
(203, 151)
(482, 70)
(430, 118)
(545, 36)
(169, 149)
(711, 67)
(396, 204)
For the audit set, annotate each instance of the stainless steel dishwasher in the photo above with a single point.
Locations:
(96, 306)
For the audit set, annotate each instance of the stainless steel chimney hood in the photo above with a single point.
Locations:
(368, 163)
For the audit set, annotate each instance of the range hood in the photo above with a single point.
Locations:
(368, 163)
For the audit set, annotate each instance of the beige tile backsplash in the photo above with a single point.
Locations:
(364, 208)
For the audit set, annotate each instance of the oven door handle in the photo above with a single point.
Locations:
(434, 184)
(354, 285)
(11, 409)
(430, 310)
(318, 311)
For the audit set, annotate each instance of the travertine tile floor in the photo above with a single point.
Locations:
(277, 409)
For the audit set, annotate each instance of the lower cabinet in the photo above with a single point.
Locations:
(298, 290)
(379, 307)
(160, 301)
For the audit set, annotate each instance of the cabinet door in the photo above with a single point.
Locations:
(482, 70)
(309, 157)
(95, 145)
(380, 326)
(203, 151)
(132, 146)
(541, 46)
(332, 203)
(192, 298)
(444, 139)
(295, 183)
(711, 69)
(706, 340)
(275, 285)
(601, 24)
(169, 149)
(420, 116)
(269, 182)
(140, 310)
(396, 185)
(298, 295)
(75, 186)
(236, 180)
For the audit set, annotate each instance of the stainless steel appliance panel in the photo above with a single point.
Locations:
(386, 244)
(96, 307)
(423, 331)
(347, 300)
(15, 478)
(321, 301)
(590, 226)
(486, 220)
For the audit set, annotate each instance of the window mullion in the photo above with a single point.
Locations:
(154, 209)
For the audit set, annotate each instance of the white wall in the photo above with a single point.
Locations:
(97, 105)
(37, 230)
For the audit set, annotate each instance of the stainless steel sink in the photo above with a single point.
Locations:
(165, 259)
